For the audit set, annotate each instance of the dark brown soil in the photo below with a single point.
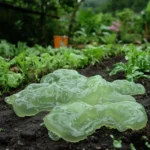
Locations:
(27, 133)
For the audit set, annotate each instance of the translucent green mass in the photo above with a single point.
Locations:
(79, 105)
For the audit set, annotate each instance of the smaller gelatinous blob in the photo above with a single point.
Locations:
(74, 122)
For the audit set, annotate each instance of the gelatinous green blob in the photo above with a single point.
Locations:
(79, 105)
(74, 122)
(126, 87)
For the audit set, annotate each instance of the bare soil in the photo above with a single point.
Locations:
(27, 134)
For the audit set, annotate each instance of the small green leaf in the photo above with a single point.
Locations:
(147, 144)
(132, 147)
(117, 143)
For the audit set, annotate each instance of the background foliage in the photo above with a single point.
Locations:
(37, 21)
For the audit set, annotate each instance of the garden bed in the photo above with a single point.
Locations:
(27, 134)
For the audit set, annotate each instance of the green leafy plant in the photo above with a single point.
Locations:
(8, 78)
(147, 144)
(137, 65)
(33, 62)
(111, 50)
(116, 143)
(132, 147)
(75, 60)
(109, 38)
(94, 54)
(80, 37)
(131, 26)
(7, 49)
(79, 105)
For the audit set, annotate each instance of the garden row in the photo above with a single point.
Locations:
(22, 64)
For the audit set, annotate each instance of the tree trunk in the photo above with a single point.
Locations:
(42, 22)
(73, 16)
(146, 31)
